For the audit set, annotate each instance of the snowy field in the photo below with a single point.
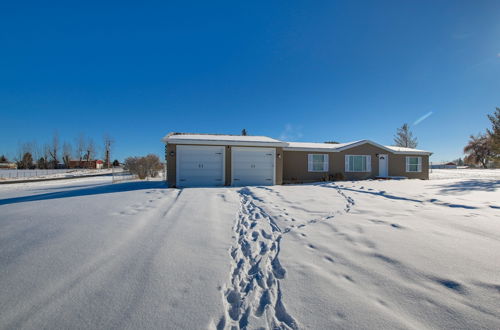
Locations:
(405, 254)
(13, 175)
(473, 173)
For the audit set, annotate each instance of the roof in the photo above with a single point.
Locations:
(336, 147)
(308, 146)
(250, 140)
(217, 139)
(403, 149)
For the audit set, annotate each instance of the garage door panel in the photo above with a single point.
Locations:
(200, 166)
(253, 166)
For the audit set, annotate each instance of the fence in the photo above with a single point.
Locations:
(120, 175)
(20, 174)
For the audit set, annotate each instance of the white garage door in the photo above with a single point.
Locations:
(199, 166)
(252, 166)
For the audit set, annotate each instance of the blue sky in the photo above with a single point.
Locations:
(302, 71)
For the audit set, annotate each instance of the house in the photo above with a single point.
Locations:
(93, 164)
(444, 165)
(8, 165)
(235, 160)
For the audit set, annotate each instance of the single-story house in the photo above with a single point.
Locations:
(93, 164)
(8, 165)
(236, 160)
(444, 165)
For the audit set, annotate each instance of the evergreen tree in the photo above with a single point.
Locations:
(244, 132)
(26, 162)
(41, 163)
(3, 159)
(404, 137)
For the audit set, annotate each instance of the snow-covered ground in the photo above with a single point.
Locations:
(369, 254)
(472, 173)
(15, 175)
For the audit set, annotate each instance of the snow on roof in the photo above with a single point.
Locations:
(317, 146)
(403, 149)
(182, 138)
(250, 140)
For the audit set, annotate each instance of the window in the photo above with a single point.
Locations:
(358, 163)
(317, 163)
(413, 164)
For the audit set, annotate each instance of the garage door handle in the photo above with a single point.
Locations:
(218, 153)
(236, 179)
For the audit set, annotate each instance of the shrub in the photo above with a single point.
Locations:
(143, 167)
(339, 176)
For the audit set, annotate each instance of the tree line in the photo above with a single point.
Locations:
(58, 155)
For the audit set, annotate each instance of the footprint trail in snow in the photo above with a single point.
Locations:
(253, 296)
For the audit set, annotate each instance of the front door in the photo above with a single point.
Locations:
(383, 165)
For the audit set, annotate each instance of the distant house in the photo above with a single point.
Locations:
(93, 164)
(444, 165)
(236, 160)
(8, 165)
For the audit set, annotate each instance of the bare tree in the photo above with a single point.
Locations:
(89, 151)
(22, 149)
(46, 157)
(404, 137)
(478, 150)
(66, 154)
(108, 141)
(80, 148)
(144, 167)
(54, 149)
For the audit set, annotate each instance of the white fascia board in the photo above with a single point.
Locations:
(226, 143)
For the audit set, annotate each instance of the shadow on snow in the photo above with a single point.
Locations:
(92, 190)
(470, 185)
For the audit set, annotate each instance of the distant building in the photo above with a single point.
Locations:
(8, 165)
(444, 165)
(93, 164)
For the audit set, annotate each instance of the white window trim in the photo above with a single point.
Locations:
(368, 163)
(419, 165)
(310, 163)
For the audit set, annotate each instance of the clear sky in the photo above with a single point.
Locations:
(296, 70)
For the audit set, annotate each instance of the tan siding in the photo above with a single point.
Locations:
(295, 165)
(171, 164)
(364, 149)
(397, 167)
(292, 165)
(279, 165)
